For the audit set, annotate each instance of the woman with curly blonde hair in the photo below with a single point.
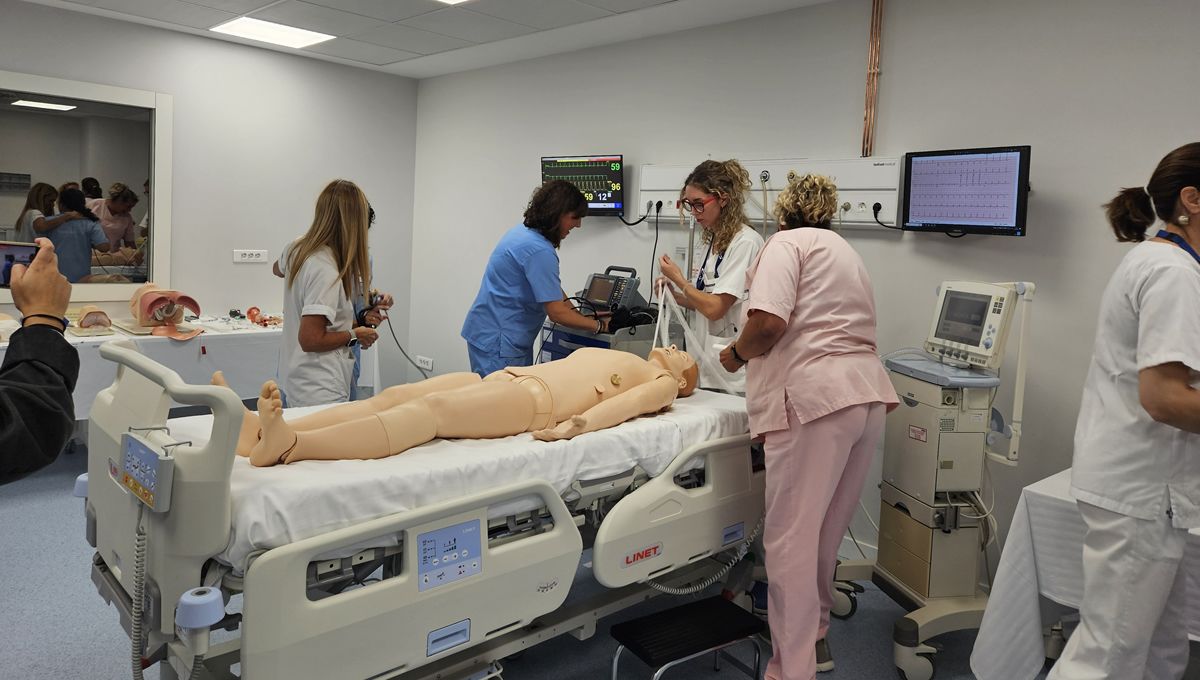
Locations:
(817, 393)
(715, 194)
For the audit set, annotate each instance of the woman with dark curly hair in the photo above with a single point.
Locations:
(521, 285)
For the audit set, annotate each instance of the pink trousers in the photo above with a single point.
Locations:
(815, 476)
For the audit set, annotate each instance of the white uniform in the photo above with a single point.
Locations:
(311, 378)
(25, 231)
(1137, 481)
(723, 273)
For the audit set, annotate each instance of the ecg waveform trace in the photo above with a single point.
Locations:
(970, 189)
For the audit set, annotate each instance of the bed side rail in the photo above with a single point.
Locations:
(427, 611)
(197, 525)
(662, 526)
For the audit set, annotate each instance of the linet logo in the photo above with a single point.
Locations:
(647, 553)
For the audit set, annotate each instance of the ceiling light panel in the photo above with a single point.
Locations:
(169, 11)
(317, 18)
(42, 105)
(384, 10)
(401, 37)
(356, 50)
(466, 25)
(539, 14)
(268, 32)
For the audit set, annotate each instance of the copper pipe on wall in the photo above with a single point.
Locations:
(868, 144)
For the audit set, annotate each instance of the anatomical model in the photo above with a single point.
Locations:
(92, 316)
(591, 389)
(162, 310)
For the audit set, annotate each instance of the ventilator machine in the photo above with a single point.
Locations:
(934, 524)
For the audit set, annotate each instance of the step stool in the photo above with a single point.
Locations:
(673, 636)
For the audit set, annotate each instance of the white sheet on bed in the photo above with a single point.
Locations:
(278, 505)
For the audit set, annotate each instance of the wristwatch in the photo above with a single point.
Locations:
(353, 340)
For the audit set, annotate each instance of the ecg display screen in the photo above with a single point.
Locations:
(975, 191)
(600, 178)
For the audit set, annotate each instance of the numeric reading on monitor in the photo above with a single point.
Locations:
(600, 178)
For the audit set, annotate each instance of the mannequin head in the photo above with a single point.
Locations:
(680, 364)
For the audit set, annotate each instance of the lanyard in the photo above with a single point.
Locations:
(716, 268)
(1179, 241)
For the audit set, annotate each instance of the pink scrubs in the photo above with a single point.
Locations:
(819, 398)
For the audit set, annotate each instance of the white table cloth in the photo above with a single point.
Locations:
(1043, 558)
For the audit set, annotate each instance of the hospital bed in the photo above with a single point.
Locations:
(436, 563)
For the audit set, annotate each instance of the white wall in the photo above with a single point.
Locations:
(257, 134)
(1097, 87)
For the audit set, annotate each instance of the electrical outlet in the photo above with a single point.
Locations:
(252, 256)
(424, 362)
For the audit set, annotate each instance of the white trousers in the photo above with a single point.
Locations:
(1134, 598)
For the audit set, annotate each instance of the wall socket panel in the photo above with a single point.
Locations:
(424, 362)
(254, 256)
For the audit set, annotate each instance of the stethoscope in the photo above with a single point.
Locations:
(1174, 238)
(700, 286)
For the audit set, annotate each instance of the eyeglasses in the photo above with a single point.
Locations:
(696, 207)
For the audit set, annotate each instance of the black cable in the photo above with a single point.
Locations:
(958, 233)
(875, 210)
(633, 224)
(393, 331)
(654, 252)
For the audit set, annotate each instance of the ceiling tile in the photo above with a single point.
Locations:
(235, 6)
(472, 26)
(170, 11)
(408, 39)
(624, 5)
(356, 50)
(539, 13)
(386, 10)
(316, 18)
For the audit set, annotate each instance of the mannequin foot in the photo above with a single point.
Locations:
(278, 438)
(248, 435)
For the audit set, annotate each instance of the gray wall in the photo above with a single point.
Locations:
(1100, 88)
(257, 135)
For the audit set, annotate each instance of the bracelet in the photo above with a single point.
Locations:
(599, 326)
(733, 348)
(46, 316)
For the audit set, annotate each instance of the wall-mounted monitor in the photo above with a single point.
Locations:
(967, 191)
(600, 178)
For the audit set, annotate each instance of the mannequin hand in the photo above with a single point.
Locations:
(670, 270)
(565, 430)
(728, 361)
(39, 288)
(366, 336)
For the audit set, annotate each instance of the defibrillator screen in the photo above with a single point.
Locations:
(963, 316)
(600, 290)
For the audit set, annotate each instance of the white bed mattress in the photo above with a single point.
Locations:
(278, 505)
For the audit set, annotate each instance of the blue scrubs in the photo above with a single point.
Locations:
(521, 277)
(73, 242)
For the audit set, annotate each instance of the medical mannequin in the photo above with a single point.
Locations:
(162, 310)
(589, 390)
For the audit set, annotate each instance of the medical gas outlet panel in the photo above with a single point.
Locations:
(935, 439)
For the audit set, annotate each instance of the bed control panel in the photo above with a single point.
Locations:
(146, 472)
(448, 555)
